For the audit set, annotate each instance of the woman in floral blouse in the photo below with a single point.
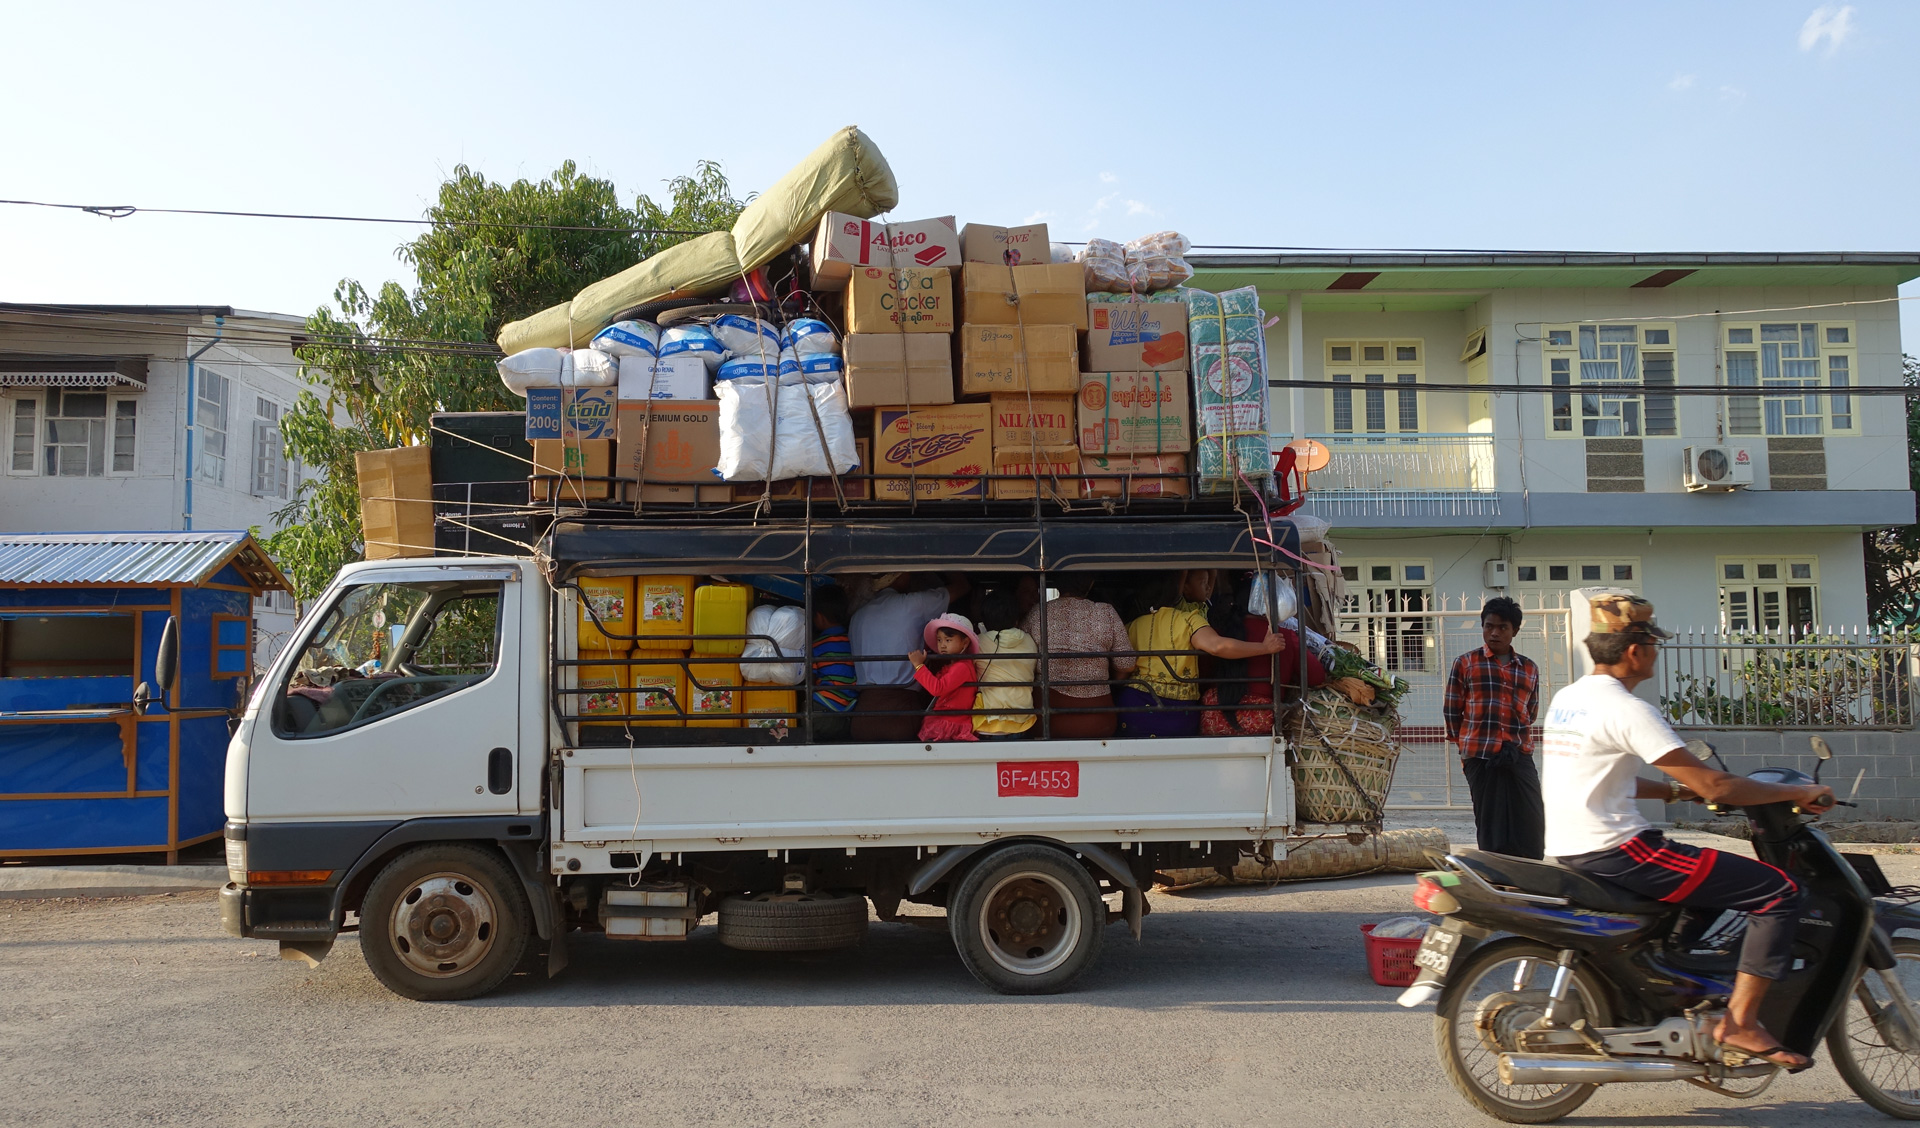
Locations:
(1076, 625)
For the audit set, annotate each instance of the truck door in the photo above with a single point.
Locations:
(403, 700)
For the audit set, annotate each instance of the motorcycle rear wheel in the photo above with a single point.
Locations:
(1881, 1065)
(1472, 1065)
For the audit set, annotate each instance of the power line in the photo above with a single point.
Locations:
(124, 211)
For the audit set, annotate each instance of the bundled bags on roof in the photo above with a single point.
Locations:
(623, 339)
(693, 340)
(1105, 262)
(1228, 350)
(770, 432)
(747, 337)
(557, 368)
(1061, 253)
(808, 336)
(749, 370)
(787, 627)
(589, 368)
(1145, 265)
(809, 368)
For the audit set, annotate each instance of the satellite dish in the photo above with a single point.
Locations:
(1310, 454)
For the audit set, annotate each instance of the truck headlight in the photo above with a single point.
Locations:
(237, 860)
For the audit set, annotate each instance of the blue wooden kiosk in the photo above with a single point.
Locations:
(95, 756)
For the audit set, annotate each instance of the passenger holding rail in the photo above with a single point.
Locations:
(1083, 640)
(1242, 688)
(1164, 701)
(948, 675)
(882, 631)
(1004, 704)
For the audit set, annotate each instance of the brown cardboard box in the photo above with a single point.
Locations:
(914, 300)
(845, 242)
(396, 501)
(679, 442)
(1058, 472)
(886, 369)
(1136, 337)
(1051, 294)
(1008, 358)
(938, 445)
(1023, 422)
(1005, 246)
(574, 458)
(682, 493)
(851, 488)
(1134, 464)
(1134, 413)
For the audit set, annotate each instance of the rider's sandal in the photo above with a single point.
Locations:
(1736, 1057)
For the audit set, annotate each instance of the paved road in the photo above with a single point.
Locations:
(1241, 1007)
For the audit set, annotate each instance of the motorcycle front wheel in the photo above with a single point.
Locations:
(1876, 1048)
(1499, 991)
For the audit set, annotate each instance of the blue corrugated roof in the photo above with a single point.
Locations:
(134, 559)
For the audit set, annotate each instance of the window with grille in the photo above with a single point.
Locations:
(1383, 606)
(83, 434)
(1375, 386)
(1769, 594)
(210, 426)
(1791, 356)
(1587, 360)
(269, 451)
(26, 433)
(1565, 573)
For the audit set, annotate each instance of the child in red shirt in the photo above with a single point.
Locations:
(949, 676)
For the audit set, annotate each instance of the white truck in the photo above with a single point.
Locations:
(413, 766)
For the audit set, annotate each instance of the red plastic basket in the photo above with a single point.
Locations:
(1390, 960)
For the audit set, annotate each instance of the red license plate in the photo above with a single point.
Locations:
(1041, 777)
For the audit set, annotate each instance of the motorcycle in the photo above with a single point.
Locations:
(1551, 983)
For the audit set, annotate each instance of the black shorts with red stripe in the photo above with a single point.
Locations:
(1698, 878)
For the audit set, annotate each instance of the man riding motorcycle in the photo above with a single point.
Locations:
(1597, 735)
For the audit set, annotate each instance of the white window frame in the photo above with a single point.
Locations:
(209, 468)
(275, 465)
(1755, 584)
(37, 403)
(1374, 379)
(42, 432)
(1608, 574)
(1744, 355)
(1579, 413)
(1397, 606)
(114, 404)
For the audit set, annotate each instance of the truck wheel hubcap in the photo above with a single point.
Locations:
(1030, 923)
(443, 925)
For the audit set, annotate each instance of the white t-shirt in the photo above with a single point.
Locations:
(891, 623)
(1597, 736)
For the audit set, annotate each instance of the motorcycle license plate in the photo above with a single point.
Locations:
(1436, 950)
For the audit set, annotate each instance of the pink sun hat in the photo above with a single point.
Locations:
(952, 622)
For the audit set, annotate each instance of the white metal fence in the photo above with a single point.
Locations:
(1821, 678)
(1405, 475)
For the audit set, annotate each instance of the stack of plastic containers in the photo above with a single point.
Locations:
(714, 689)
(606, 606)
(663, 620)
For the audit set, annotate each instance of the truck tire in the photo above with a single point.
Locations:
(793, 922)
(1027, 920)
(442, 922)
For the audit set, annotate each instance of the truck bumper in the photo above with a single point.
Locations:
(278, 914)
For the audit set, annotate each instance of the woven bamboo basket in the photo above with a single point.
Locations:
(1334, 734)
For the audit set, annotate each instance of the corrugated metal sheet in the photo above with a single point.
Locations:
(134, 559)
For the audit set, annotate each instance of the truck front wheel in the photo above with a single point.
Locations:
(444, 922)
(1027, 920)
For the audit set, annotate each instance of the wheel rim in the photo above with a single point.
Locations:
(1030, 923)
(443, 925)
(1886, 1054)
(1504, 999)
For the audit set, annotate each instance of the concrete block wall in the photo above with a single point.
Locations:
(1890, 787)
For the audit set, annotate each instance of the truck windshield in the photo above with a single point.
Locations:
(386, 647)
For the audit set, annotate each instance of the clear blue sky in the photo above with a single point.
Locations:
(1711, 126)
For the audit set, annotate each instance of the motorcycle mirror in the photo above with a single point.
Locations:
(142, 697)
(1822, 749)
(166, 658)
(1706, 753)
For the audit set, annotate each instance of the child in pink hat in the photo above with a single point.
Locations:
(949, 676)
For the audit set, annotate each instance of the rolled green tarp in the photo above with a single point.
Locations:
(847, 174)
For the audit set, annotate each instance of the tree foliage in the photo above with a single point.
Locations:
(383, 363)
(1893, 555)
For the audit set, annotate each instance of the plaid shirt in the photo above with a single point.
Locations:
(1491, 700)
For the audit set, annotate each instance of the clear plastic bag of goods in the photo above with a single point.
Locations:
(770, 432)
(787, 627)
(746, 336)
(532, 368)
(1060, 252)
(1105, 262)
(696, 340)
(589, 368)
(1157, 261)
(623, 339)
(808, 336)
(1402, 928)
(809, 368)
(1172, 244)
(1271, 596)
(748, 370)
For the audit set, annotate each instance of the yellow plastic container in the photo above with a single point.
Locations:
(652, 685)
(608, 685)
(767, 706)
(611, 599)
(720, 609)
(715, 700)
(663, 606)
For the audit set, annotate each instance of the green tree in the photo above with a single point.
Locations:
(1893, 555)
(382, 364)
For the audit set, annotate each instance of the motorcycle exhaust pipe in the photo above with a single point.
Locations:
(1555, 1069)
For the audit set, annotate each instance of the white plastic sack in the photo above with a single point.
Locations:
(746, 431)
(797, 445)
(807, 336)
(695, 340)
(589, 368)
(746, 336)
(629, 338)
(787, 626)
(748, 370)
(531, 368)
(809, 368)
(1060, 252)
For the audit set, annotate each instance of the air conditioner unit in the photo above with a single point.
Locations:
(1722, 468)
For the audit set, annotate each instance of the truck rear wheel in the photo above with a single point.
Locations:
(793, 922)
(1028, 920)
(444, 922)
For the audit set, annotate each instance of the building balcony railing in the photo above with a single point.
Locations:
(1405, 475)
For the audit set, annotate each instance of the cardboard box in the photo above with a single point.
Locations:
(889, 369)
(1136, 337)
(845, 242)
(681, 493)
(1058, 472)
(678, 377)
(575, 459)
(1006, 246)
(1134, 464)
(1026, 422)
(396, 501)
(1050, 294)
(851, 488)
(672, 441)
(1009, 358)
(917, 300)
(571, 413)
(935, 444)
(1134, 413)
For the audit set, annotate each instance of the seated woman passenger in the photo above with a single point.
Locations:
(1079, 635)
(1242, 688)
(1164, 699)
(1005, 669)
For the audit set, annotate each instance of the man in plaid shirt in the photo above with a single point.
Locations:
(1492, 697)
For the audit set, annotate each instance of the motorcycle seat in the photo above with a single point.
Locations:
(1551, 879)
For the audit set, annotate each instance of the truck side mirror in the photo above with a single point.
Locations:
(166, 663)
(142, 698)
